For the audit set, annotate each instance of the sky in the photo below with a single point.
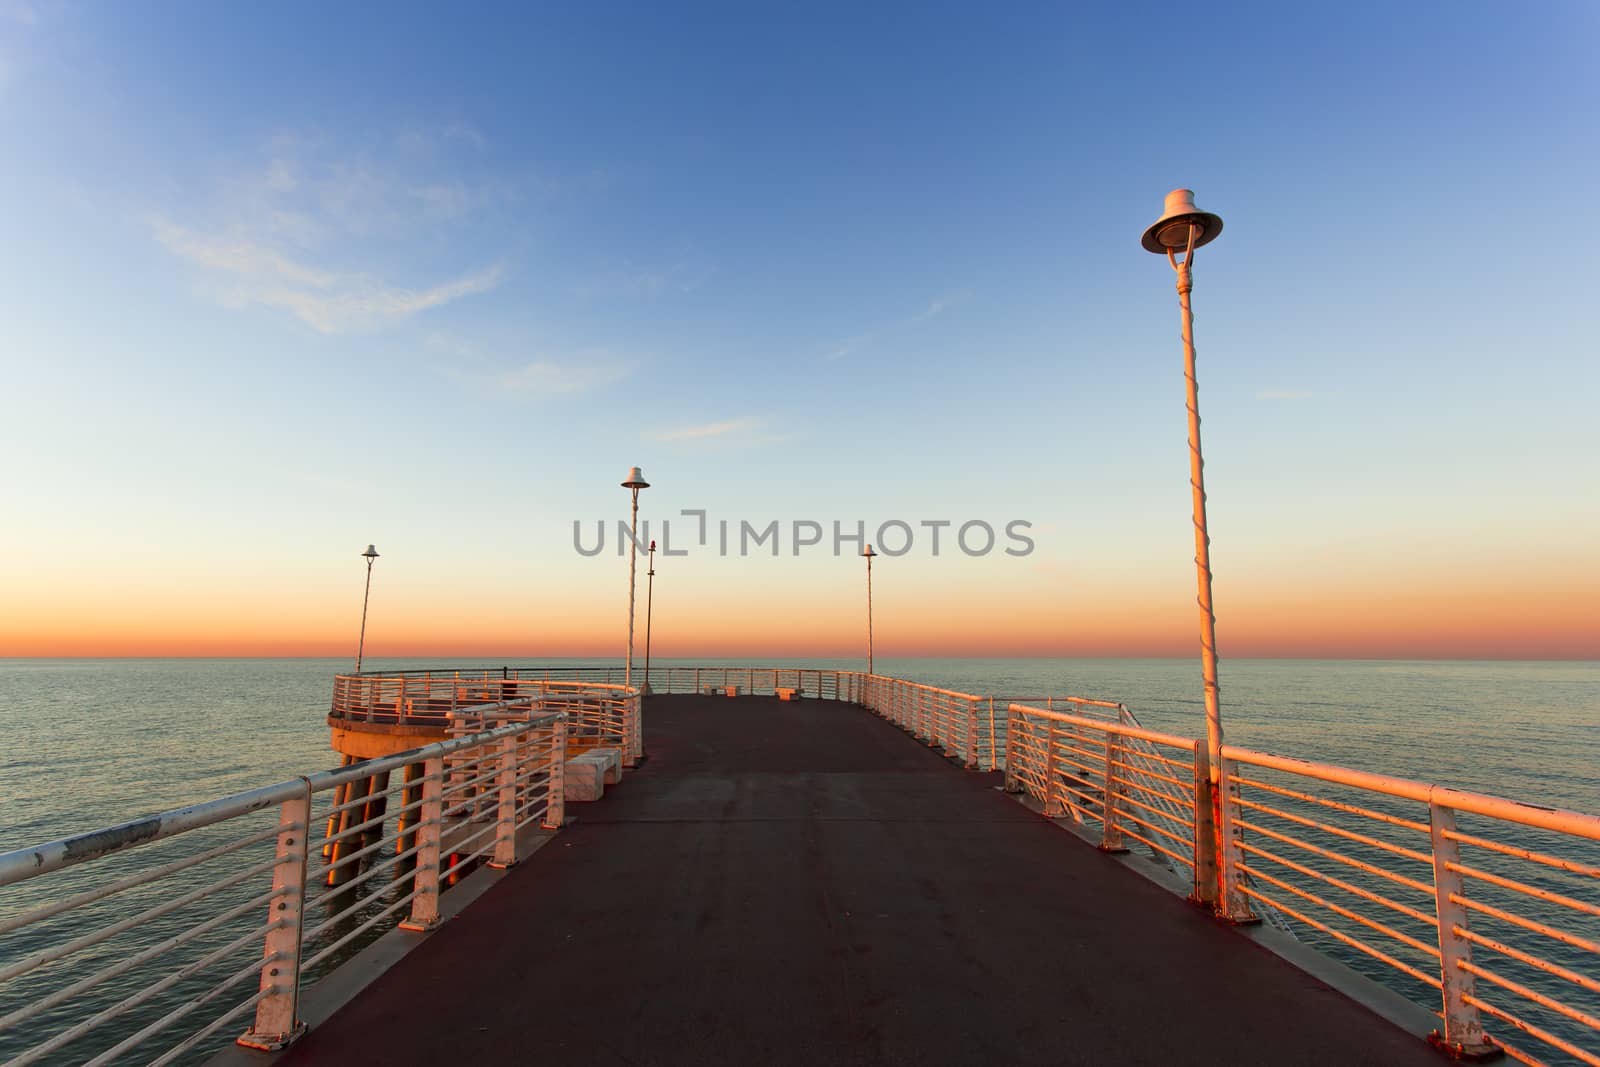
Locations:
(280, 281)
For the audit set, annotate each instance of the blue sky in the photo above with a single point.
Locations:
(282, 281)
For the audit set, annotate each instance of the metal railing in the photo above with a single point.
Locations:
(600, 713)
(941, 718)
(150, 950)
(1487, 907)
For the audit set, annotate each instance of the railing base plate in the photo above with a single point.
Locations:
(270, 1042)
(1484, 1053)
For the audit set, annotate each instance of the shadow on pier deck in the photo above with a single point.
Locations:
(804, 883)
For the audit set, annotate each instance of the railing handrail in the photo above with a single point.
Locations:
(1144, 733)
(21, 864)
(1537, 816)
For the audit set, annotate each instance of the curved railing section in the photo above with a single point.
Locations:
(601, 713)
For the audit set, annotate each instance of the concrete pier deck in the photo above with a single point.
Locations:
(803, 883)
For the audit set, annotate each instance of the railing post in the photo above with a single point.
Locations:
(1205, 832)
(1049, 770)
(971, 761)
(1011, 732)
(278, 1013)
(1110, 832)
(1463, 1035)
(430, 828)
(994, 742)
(555, 808)
(505, 829)
(1234, 905)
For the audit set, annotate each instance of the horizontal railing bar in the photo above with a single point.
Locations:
(335, 946)
(200, 1035)
(1153, 736)
(1338, 909)
(1528, 924)
(105, 933)
(1513, 811)
(1531, 1030)
(1365, 894)
(1360, 946)
(253, 969)
(1185, 860)
(1570, 866)
(1555, 969)
(1592, 1022)
(1339, 857)
(1546, 895)
(1348, 835)
(89, 896)
(1352, 809)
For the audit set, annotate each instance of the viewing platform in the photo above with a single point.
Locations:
(799, 883)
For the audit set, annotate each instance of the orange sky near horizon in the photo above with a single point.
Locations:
(1532, 612)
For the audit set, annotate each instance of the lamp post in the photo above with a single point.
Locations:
(869, 554)
(371, 554)
(635, 482)
(1183, 228)
(649, 603)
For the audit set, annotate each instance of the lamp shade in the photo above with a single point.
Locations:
(371, 552)
(635, 479)
(1171, 230)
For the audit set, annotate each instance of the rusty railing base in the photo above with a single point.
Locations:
(271, 1042)
(1484, 1053)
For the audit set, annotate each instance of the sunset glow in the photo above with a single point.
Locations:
(436, 283)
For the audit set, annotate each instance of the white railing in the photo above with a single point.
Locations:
(150, 950)
(1487, 907)
(600, 713)
(941, 718)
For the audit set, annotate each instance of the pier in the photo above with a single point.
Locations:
(798, 882)
(801, 866)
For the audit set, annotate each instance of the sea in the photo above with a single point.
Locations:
(94, 742)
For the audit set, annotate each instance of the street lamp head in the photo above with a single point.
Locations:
(371, 553)
(635, 479)
(1171, 231)
(652, 546)
(869, 553)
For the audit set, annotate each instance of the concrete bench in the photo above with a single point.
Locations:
(711, 690)
(786, 693)
(587, 776)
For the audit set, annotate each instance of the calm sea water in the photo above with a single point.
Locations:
(95, 742)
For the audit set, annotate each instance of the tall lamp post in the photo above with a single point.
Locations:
(649, 603)
(635, 482)
(869, 554)
(1183, 228)
(371, 554)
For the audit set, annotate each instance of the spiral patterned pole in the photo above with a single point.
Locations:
(1202, 538)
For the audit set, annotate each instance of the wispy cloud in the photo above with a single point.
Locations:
(746, 431)
(475, 367)
(244, 272)
(706, 430)
(1283, 394)
(545, 377)
(304, 230)
(865, 339)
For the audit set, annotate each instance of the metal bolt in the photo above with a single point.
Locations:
(273, 972)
